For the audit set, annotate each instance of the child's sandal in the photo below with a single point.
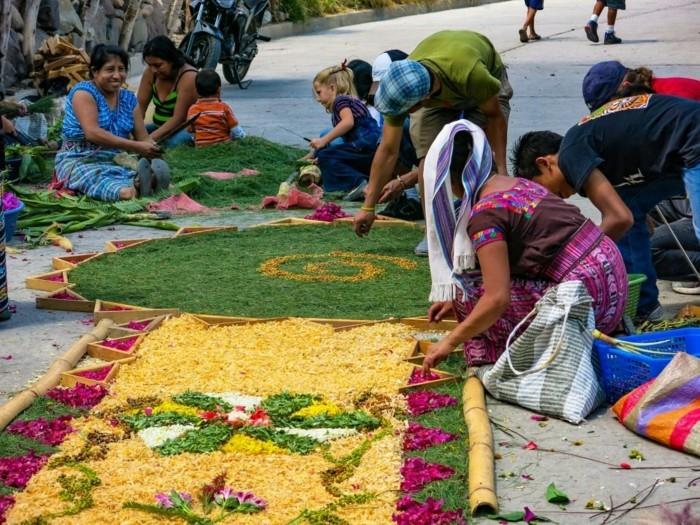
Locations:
(522, 33)
(535, 36)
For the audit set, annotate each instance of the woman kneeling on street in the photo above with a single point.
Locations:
(100, 117)
(525, 239)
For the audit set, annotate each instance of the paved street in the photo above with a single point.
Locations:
(546, 77)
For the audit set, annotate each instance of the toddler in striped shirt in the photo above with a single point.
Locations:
(216, 122)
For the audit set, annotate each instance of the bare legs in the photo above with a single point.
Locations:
(529, 24)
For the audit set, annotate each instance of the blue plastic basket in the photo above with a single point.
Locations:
(11, 221)
(622, 371)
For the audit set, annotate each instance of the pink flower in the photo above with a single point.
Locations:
(427, 400)
(47, 432)
(16, 471)
(529, 515)
(248, 498)
(5, 503)
(163, 500)
(64, 296)
(148, 411)
(10, 201)
(418, 376)
(138, 325)
(418, 437)
(119, 344)
(417, 473)
(327, 212)
(96, 375)
(530, 445)
(429, 513)
(78, 396)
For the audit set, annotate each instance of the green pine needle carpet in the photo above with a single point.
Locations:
(303, 271)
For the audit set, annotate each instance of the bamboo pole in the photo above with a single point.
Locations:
(50, 379)
(482, 487)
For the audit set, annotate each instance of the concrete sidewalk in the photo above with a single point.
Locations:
(546, 77)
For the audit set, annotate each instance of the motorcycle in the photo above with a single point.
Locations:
(226, 32)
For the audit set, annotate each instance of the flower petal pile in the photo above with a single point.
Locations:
(250, 433)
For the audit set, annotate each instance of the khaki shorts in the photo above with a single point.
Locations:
(427, 123)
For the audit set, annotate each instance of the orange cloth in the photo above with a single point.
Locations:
(214, 123)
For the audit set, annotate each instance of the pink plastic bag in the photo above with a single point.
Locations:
(296, 198)
(178, 205)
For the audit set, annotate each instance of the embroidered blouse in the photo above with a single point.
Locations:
(534, 223)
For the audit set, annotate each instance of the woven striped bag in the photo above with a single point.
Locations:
(549, 367)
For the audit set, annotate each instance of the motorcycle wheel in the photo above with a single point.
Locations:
(230, 68)
(206, 50)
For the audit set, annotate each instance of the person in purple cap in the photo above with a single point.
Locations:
(591, 28)
(609, 80)
(628, 155)
(449, 75)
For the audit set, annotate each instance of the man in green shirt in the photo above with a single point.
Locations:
(449, 75)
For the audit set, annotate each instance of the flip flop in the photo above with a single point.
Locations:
(144, 175)
(523, 36)
(161, 171)
(535, 37)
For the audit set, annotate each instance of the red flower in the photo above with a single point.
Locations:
(209, 415)
(260, 418)
(625, 466)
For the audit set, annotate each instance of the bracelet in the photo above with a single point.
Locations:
(403, 186)
(369, 209)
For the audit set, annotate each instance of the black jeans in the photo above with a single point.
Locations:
(669, 262)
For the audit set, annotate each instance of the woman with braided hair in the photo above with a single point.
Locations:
(345, 166)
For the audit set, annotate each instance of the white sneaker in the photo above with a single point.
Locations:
(686, 288)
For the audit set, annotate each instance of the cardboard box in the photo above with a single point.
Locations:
(194, 230)
(46, 281)
(445, 377)
(68, 262)
(106, 353)
(122, 313)
(78, 304)
(121, 244)
(72, 377)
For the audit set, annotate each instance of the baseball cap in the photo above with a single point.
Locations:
(405, 83)
(380, 66)
(601, 83)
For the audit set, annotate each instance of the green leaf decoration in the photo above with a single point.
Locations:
(203, 401)
(198, 441)
(280, 406)
(298, 444)
(554, 495)
(511, 517)
(140, 421)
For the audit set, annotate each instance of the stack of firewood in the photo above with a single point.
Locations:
(59, 63)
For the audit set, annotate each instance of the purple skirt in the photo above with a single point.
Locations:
(589, 257)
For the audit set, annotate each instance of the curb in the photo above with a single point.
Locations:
(324, 23)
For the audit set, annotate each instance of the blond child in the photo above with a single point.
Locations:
(344, 166)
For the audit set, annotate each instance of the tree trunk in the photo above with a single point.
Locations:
(173, 15)
(31, 12)
(5, 16)
(90, 10)
(131, 11)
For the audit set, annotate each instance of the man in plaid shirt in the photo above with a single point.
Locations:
(448, 76)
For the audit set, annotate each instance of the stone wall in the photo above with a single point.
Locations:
(86, 23)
